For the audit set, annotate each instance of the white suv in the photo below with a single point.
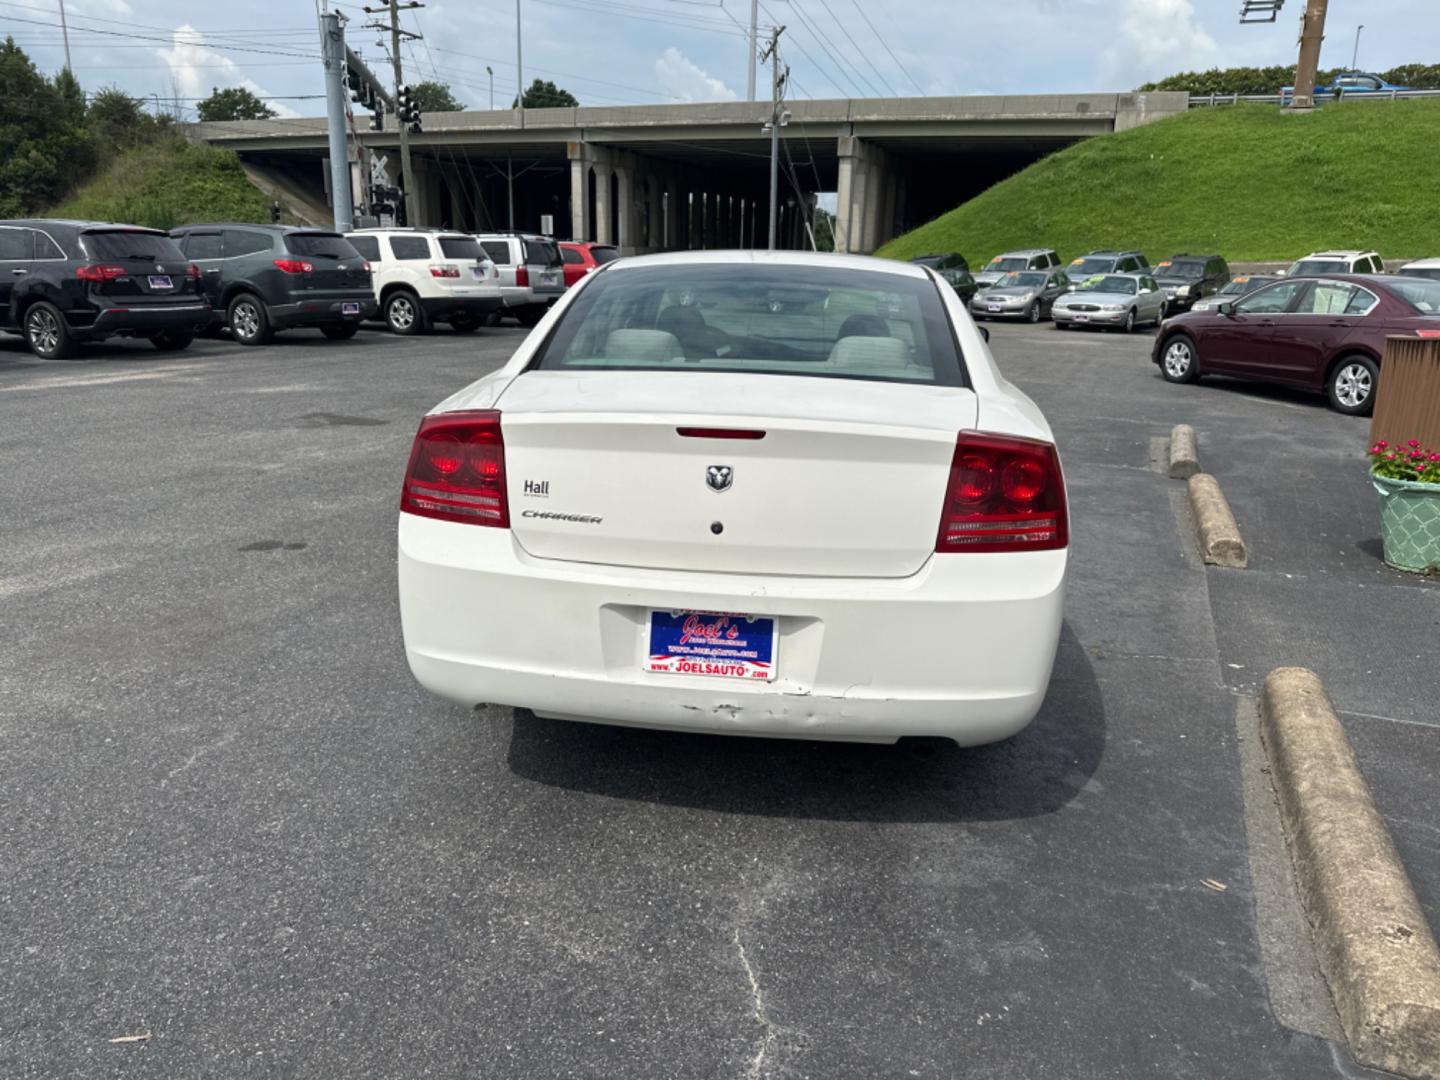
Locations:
(425, 276)
(1337, 262)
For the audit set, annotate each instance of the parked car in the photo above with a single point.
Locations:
(1109, 301)
(1186, 278)
(1337, 262)
(1238, 286)
(532, 273)
(63, 283)
(425, 276)
(1021, 294)
(1348, 83)
(1422, 268)
(1009, 261)
(658, 474)
(263, 278)
(1105, 261)
(953, 270)
(1325, 334)
(581, 258)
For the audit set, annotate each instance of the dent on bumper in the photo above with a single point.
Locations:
(961, 650)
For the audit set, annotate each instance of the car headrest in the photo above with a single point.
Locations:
(858, 325)
(861, 351)
(627, 344)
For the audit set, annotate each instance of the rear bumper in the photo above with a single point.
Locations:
(142, 319)
(317, 312)
(448, 307)
(529, 296)
(960, 650)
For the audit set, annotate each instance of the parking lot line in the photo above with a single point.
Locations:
(65, 381)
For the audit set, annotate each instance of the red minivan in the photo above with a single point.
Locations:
(581, 258)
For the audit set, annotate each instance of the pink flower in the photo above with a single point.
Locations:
(1382, 444)
(1435, 457)
(1413, 443)
(1416, 455)
(1390, 456)
(1421, 468)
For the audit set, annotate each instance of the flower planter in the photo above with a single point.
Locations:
(1409, 523)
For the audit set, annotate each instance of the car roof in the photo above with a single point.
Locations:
(1422, 264)
(1025, 251)
(1192, 255)
(1113, 251)
(78, 223)
(283, 230)
(826, 259)
(421, 230)
(516, 235)
(1338, 255)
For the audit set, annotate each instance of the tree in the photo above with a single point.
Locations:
(434, 97)
(117, 121)
(544, 94)
(43, 144)
(72, 98)
(233, 103)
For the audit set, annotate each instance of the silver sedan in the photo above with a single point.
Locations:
(1111, 300)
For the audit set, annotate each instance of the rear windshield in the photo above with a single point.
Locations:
(542, 253)
(320, 245)
(998, 263)
(461, 247)
(781, 320)
(118, 245)
(1192, 270)
(1421, 293)
(603, 255)
(1311, 267)
(1032, 279)
(1111, 283)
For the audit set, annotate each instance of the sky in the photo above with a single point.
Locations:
(612, 52)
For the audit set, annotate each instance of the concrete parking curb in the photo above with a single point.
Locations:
(1184, 459)
(1374, 947)
(1220, 540)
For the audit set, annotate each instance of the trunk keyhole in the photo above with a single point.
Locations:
(717, 527)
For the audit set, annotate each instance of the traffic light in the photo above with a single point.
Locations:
(406, 111)
(377, 119)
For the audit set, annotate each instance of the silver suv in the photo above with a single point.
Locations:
(532, 273)
(1009, 261)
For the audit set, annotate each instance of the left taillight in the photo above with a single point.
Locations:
(1005, 494)
(101, 272)
(457, 470)
(192, 271)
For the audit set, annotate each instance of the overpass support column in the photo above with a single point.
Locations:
(671, 235)
(865, 194)
(582, 217)
(604, 169)
(626, 192)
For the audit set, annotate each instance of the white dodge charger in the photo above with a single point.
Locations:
(777, 494)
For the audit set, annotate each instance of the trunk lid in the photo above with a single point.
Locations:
(154, 267)
(597, 472)
(337, 264)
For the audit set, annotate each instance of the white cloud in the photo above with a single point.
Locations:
(680, 78)
(197, 69)
(1157, 38)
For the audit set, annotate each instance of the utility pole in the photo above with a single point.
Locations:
(754, 41)
(1312, 34)
(332, 49)
(407, 172)
(491, 72)
(519, 69)
(1355, 56)
(65, 33)
(777, 88)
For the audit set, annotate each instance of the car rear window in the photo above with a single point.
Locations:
(1008, 264)
(321, 245)
(367, 246)
(1183, 269)
(461, 247)
(603, 255)
(781, 320)
(1091, 264)
(542, 253)
(117, 245)
(1420, 293)
(1311, 267)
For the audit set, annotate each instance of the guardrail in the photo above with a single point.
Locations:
(1201, 101)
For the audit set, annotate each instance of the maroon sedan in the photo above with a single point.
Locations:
(1319, 333)
(580, 258)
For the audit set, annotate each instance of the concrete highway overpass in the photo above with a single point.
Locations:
(690, 176)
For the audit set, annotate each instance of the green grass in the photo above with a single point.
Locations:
(167, 183)
(1246, 181)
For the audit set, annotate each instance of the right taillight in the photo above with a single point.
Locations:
(1005, 494)
(522, 277)
(457, 470)
(103, 272)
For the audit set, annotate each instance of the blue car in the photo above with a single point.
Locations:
(1350, 82)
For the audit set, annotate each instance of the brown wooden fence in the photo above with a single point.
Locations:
(1407, 402)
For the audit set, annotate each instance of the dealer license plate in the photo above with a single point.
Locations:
(992, 307)
(161, 281)
(712, 643)
(1082, 318)
(349, 308)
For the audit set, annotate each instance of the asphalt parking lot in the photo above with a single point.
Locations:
(233, 822)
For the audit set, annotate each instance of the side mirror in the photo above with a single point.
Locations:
(984, 332)
(1227, 309)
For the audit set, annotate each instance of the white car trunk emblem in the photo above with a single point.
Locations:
(719, 477)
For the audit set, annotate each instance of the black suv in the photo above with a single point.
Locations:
(954, 269)
(263, 278)
(1186, 278)
(66, 282)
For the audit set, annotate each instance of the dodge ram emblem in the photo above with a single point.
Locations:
(719, 477)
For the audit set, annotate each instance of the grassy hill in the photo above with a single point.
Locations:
(1244, 180)
(165, 183)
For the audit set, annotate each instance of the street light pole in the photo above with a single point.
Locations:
(1355, 56)
(1312, 35)
(491, 72)
(754, 48)
(519, 70)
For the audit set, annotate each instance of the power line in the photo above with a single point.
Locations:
(806, 53)
(858, 51)
(887, 48)
(820, 39)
